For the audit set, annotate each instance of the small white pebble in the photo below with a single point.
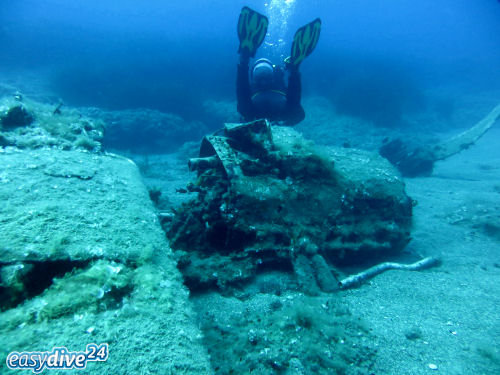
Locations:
(77, 317)
(112, 269)
(432, 366)
(91, 329)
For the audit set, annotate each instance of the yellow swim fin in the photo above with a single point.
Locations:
(305, 41)
(252, 28)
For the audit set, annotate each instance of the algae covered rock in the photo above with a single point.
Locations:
(83, 260)
(29, 124)
(268, 198)
(15, 116)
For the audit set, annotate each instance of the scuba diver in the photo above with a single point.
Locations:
(262, 93)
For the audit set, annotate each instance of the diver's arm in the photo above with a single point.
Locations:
(295, 112)
(243, 92)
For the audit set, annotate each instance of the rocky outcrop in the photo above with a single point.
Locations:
(83, 260)
(28, 124)
(146, 131)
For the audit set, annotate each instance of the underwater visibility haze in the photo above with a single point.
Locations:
(121, 54)
(170, 203)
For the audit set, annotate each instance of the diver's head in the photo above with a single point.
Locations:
(262, 74)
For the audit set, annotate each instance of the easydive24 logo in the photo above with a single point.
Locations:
(59, 358)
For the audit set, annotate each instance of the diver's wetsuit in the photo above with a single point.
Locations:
(290, 112)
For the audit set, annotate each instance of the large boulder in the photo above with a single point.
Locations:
(15, 116)
(84, 260)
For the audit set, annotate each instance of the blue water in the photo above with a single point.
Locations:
(377, 61)
(172, 55)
